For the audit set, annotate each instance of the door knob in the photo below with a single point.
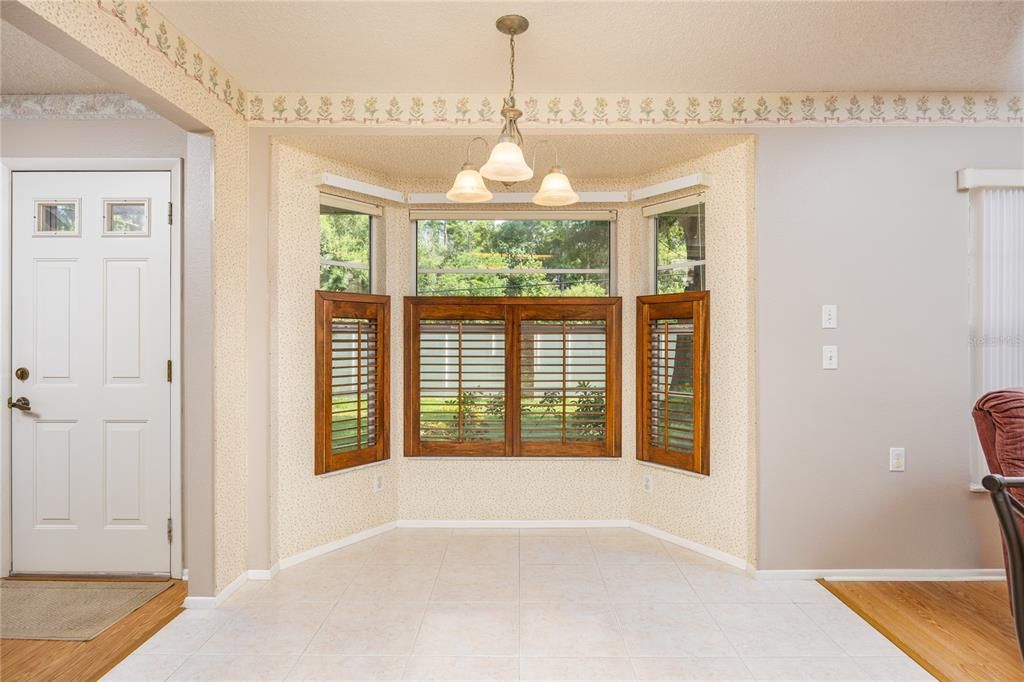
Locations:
(22, 404)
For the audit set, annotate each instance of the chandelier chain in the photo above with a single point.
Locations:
(512, 67)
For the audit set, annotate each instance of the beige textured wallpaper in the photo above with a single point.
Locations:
(103, 34)
(719, 510)
(714, 511)
(310, 510)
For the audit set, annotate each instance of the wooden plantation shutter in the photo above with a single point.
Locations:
(352, 375)
(456, 379)
(512, 376)
(673, 380)
(568, 388)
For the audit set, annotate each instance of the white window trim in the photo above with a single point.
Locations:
(972, 178)
(456, 214)
(375, 213)
(346, 204)
(651, 212)
(343, 183)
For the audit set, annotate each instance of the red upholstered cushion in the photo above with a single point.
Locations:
(999, 416)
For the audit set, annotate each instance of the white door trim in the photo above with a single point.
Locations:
(174, 166)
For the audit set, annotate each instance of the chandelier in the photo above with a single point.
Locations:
(506, 163)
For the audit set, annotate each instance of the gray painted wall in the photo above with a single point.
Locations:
(99, 138)
(869, 219)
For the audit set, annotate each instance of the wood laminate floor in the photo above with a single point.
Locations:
(954, 630)
(33, 659)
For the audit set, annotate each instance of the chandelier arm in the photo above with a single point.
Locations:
(541, 143)
(469, 146)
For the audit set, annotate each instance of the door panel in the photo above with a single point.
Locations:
(91, 315)
(123, 328)
(55, 284)
(124, 467)
(53, 448)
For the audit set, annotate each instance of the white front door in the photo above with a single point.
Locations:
(91, 341)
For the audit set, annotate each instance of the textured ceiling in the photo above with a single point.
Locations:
(27, 67)
(438, 46)
(593, 157)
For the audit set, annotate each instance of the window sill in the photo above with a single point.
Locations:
(349, 470)
(499, 458)
(684, 472)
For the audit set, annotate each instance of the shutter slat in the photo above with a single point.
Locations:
(353, 380)
(671, 360)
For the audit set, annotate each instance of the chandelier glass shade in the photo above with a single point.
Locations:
(506, 163)
(469, 187)
(555, 190)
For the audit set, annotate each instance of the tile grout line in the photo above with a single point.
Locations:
(702, 604)
(423, 616)
(361, 565)
(612, 608)
(518, 603)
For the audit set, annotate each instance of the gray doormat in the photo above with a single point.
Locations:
(68, 610)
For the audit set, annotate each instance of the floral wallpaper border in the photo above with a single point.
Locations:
(700, 110)
(147, 24)
(95, 107)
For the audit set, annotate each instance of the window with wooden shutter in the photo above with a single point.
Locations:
(512, 376)
(352, 375)
(672, 380)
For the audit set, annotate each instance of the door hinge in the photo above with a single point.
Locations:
(170, 372)
(170, 212)
(170, 531)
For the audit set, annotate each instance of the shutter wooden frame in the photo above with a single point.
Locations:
(513, 310)
(695, 305)
(331, 305)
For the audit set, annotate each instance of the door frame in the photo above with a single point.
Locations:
(9, 166)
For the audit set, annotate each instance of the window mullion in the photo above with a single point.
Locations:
(513, 382)
(461, 401)
(565, 386)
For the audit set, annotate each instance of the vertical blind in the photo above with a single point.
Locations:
(997, 334)
(351, 379)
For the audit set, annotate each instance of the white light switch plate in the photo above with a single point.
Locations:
(830, 357)
(829, 316)
(897, 459)
(648, 483)
(378, 482)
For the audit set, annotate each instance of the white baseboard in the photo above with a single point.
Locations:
(710, 552)
(336, 544)
(586, 523)
(263, 573)
(878, 574)
(222, 596)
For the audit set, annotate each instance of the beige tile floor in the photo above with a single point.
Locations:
(537, 604)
